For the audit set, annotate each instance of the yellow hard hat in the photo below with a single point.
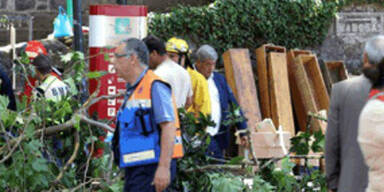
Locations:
(177, 45)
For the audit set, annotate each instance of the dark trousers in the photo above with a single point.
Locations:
(140, 178)
(214, 149)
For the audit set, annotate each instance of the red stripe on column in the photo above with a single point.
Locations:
(118, 10)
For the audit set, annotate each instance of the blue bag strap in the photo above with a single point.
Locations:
(61, 10)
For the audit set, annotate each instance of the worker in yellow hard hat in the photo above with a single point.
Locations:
(178, 50)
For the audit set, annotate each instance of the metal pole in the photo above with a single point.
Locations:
(121, 2)
(70, 11)
(30, 28)
(13, 43)
(79, 43)
(77, 23)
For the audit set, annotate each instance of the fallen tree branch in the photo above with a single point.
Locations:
(70, 123)
(317, 116)
(215, 167)
(89, 157)
(85, 119)
(12, 150)
(97, 99)
(71, 159)
(83, 184)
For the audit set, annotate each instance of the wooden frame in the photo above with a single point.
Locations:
(262, 75)
(333, 72)
(273, 86)
(311, 86)
(337, 71)
(298, 104)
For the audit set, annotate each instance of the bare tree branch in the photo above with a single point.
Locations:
(12, 150)
(71, 159)
(90, 156)
(216, 167)
(96, 123)
(102, 98)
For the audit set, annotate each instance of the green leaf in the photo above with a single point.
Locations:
(39, 165)
(30, 130)
(4, 101)
(96, 74)
(67, 57)
(77, 122)
(72, 86)
(106, 57)
(236, 160)
(226, 183)
(78, 55)
(259, 185)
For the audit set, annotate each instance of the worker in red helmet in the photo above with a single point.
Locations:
(33, 49)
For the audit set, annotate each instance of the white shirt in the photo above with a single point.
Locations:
(215, 106)
(178, 78)
(371, 141)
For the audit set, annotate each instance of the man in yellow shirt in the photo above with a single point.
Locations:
(178, 51)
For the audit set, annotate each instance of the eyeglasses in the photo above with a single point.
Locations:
(117, 56)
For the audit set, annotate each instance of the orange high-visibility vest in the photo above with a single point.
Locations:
(142, 94)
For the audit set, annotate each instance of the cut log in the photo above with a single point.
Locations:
(239, 75)
(280, 98)
(298, 104)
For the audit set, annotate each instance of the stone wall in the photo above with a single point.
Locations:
(348, 34)
(43, 12)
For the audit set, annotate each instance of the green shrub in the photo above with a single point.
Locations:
(249, 23)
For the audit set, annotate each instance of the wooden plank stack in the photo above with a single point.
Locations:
(287, 81)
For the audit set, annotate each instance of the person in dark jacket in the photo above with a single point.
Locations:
(222, 100)
(6, 89)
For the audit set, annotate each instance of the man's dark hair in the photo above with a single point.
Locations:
(155, 44)
(43, 64)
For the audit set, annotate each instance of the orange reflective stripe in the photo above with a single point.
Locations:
(178, 150)
(143, 92)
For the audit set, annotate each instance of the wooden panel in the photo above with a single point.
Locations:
(311, 86)
(238, 71)
(280, 97)
(317, 82)
(336, 70)
(262, 76)
(326, 76)
(298, 104)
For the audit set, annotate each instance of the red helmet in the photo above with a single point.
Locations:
(34, 48)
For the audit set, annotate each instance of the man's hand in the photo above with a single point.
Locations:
(244, 141)
(162, 178)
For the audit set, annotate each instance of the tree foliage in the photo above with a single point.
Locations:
(249, 23)
(48, 146)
